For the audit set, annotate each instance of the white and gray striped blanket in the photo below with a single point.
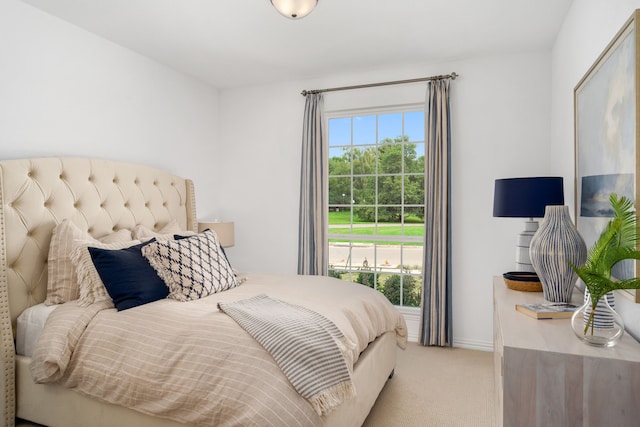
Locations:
(308, 347)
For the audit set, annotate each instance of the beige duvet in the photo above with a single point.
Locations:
(191, 363)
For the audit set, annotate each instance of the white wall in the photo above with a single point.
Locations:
(588, 28)
(66, 92)
(501, 128)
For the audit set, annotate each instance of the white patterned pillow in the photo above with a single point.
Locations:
(192, 267)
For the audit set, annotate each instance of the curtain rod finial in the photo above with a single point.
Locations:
(303, 93)
(454, 75)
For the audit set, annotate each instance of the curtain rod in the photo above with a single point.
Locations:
(451, 76)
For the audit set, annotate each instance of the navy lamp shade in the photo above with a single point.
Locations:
(526, 198)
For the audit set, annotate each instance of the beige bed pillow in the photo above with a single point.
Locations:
(62, 280)
(143, 233)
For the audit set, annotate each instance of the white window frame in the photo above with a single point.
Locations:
(349, 113)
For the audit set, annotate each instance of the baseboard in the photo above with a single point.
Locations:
(413, 328)
(473, 345)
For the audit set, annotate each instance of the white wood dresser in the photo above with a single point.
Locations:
(545, 376)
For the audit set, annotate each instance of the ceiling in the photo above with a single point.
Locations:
(236, 43)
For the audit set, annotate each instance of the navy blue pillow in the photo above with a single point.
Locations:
(129, 278)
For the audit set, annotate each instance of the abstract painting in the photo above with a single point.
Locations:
(606, 138)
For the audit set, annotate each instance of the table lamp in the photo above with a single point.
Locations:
(526, 198)
(224, 230)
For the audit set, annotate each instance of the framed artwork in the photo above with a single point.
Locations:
(606, 138)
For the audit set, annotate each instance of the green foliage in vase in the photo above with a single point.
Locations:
(617, 242)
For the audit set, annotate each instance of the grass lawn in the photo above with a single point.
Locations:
(344, 217)
(414, 228)
(384, 230)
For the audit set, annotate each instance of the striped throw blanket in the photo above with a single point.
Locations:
(308, 347)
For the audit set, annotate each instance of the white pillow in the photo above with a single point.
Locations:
(143, 233)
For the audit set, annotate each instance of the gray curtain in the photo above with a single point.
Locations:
(436, 328)
(312, 236)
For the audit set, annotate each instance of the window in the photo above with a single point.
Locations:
(376, 200)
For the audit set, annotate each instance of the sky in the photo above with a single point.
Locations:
(364, 130)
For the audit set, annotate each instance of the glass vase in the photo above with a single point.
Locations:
(602, 327)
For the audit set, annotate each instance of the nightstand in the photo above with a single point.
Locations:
(546, 376)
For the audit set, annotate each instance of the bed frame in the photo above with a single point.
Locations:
(102, 196)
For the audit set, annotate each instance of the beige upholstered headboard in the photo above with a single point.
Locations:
(99, 196)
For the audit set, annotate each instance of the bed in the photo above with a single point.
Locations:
(103, 197)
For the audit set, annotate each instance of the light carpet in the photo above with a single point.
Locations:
(434, 386)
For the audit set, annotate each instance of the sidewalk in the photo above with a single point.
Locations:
(385, 257)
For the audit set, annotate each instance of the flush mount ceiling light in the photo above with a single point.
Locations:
(294, 9)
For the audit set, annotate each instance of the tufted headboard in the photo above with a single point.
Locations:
(99, 196)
